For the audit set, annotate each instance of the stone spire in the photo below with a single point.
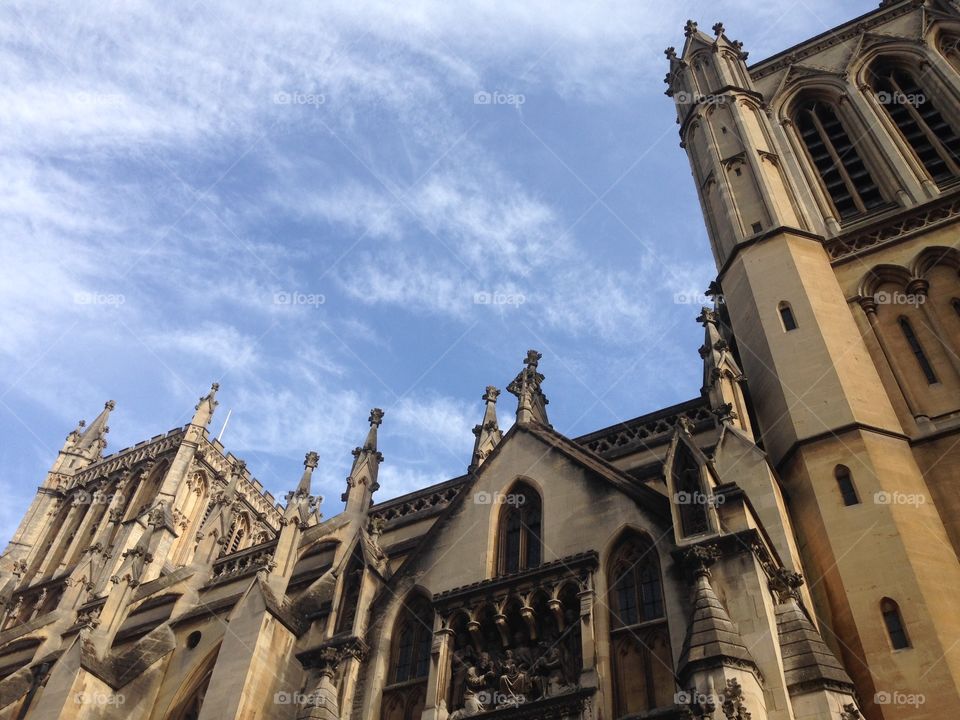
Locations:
(531, 402)
(362, 481)
(488, 432)
(300, 503)
(712, 639)
(203, 412)
(722, 378)
(91, 441)
(301, 509)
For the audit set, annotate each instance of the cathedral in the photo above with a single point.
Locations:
(783, 546)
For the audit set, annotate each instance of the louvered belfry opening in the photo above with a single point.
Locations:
(922, 125)
(833, 152)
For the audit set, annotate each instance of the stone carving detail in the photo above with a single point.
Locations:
(733, 707)
(644, 433)
(785, 584)
(850, 712)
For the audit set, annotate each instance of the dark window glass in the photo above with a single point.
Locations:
(833, 153)
(786, 315)
(521, 524)
(845, 483)
(910, 106)
(894, 623)
(917, 349)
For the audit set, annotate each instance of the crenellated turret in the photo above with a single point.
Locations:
(734, 151)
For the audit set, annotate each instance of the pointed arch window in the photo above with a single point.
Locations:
(844, 175)
(639, 638)
(521, 519)
(911, 107)
(894, 623)
(845, 483)
(787, 317)
(405, 695)
(917, 349)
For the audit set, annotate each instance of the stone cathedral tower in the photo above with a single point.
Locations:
(782, 546)
(829, 178)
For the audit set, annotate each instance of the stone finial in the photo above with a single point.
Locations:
(376, 417)
(671, 53)
(718, 29)
(707, 315)
(689, 28)
(203, 410)
(311, 460)
(532, 403)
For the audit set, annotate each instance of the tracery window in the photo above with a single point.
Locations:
(844, 175)
(520, 546)
(911, 107)
(639, 638)
(404, 697)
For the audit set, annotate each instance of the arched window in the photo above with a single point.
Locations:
(917, 349)
(146, 492)
(520, 543)
(950, 48)
(787, 317)
(894, 622)
(405, 695)
(911, 108)
(640, 642)
(846, 179)
(689, 495)
(845, 482)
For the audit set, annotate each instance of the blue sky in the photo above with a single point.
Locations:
(172, 175)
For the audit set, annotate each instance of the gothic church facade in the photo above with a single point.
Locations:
(784, 546)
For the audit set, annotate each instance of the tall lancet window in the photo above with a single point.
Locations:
(911, 107)
(845, 177)
(689, 493)
(405, 695)
(520, 546)
(643, 674)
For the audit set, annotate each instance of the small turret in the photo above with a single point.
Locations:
(488, 432)
(362, 481)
